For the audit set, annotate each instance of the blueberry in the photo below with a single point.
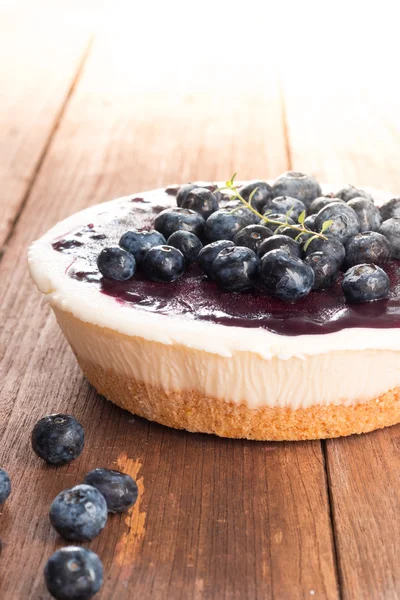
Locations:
(79, 513)
(276, 217)
(176, 219)
(262, 195)
(364, 283)
(390, 209)
(58, 439)
(367, 247)
(73, 573)
(210, 252)
(297, 185)
(188, 243)
(5, 486)
(137, 242)
(284, 204)
(301, 238)
(391, 230)
(320, 203)
(368, 214)
(117, 264)
(164, 264)
(285, 276)
(345, 220)
(252, 236)
(202, 201)
(309, 222)
(248, 216)
(183, 192)
(224, 225)
(235, 269)
(330, 246)
(119, 489)
(325, 269)
(349, 192)
(280, 242)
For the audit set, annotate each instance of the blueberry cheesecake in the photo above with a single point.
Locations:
(260, 310)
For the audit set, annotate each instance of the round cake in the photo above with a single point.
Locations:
(209, 309)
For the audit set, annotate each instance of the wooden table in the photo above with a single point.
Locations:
(82, 120)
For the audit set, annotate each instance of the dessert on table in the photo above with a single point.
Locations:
(260, 310)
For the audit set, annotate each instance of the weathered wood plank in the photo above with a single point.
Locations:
(217, 518)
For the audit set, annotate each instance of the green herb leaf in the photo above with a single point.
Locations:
(326, 225)
(302, 217)
(289, 212)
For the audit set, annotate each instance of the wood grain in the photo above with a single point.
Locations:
(217, 519)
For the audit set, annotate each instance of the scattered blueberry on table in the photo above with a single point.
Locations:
(119, 489)
(73, 573)
(58, 439)
(5, 486)
(79, 513)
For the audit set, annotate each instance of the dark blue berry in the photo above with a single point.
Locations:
(252, 236)
(115, 263)
(73, 573)
(368, 214)
(390, 209)
(284, 205)
(164, 264)
(248, 216)
(183, 192)
(325, 269)
(330, 246)
(365, 283)
(188, 243)
(210, 252)
(367, 247)
(297, 185)
(280, 242)
(301, 238)
(137, 242)
(5, 486)
(119, 489)
(285, 276)
(261, 196)
(179, 219)
(224, 225)
(276, 217)
(320, 203)
(58, 439)
(79, 513)
(345, 220)
(349, 192)
(235, 269)
(309, 222)
(202, 201)
(391, 230)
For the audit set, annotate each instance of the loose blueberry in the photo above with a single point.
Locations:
(309, 222)
(368, 214)
(390, 209)
(224, 225)
(280, 242)
(235, 269)
(73, 573)
(202, 201)
(164, 264)
(115, 263)
(79, 513)
(5, 486)
(367, 247)
(176, 219)
(297, 185)
(325, 269)
(183, 192)
(365, 283)
(119, 489)
(137, 242)
(391, 230)
(210, 252)
(301, 238)
(252, 236)
(330, 246)
(276, 217)
(349, 192)
(284, 205)
(58, 439)
(320, 203)
(188, 243)
(345, 220)
(261, 196)
(285, 276)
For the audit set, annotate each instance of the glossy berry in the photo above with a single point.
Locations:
(261, 196)
(365, 283)
(280, 242)
(235, 269)
(349, 192)
(119, 489)
(368, 214)
(137, 242)
(391, 230)
(252, 236)
(202, 201)
(320, 203)
(176, 219)
(285, 276)
(297, 185)
(164, 264)
(73, 573)
(284, 205)
(58, 439)
(79, 513)
(330, 246)
(390, 209)
(5, 486)
(210, 252)
(367, 247)
(309, 222)
(117, 264)
(183, 192)
(188, 243)
(325, 269)
(345, 220)
(301, 238)
(224, 225)
(276, 217)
